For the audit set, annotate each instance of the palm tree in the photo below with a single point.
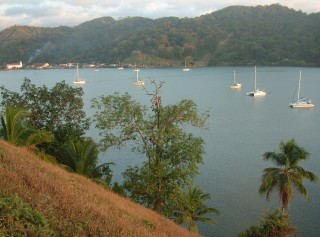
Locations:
(12, 129)
(15, 129)
(83, 156)
(288, 175)
(191, 208)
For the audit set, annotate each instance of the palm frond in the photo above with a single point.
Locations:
(289, 175)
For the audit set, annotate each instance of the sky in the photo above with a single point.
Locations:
(53, 13)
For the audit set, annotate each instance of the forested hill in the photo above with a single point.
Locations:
(236, 35)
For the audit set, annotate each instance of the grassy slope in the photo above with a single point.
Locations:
(74, 205)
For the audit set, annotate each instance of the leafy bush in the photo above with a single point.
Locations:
(276, 224)
(19, 219)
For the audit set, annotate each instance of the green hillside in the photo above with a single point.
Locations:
(237, 35)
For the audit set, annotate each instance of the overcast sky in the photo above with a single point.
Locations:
(52, 13)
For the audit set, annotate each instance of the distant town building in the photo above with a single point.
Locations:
(14, 65)
(40, 65)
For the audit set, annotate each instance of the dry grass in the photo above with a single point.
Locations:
(74, 205)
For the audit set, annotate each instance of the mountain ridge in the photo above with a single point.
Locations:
(235, 35)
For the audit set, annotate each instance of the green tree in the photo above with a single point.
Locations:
(288, 175)
(13, 130)
(59, 110)
(82, 157)
(16, 130)
(172, 155)
(191, 208)
(274, 224)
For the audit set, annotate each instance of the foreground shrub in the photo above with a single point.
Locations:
(19, 219)
(276, 224)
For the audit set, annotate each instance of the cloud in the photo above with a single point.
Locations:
(32, 11)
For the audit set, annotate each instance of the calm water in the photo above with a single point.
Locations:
(241, 129)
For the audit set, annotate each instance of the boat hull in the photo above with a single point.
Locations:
(301, 105)
(236, 86)
(139, 83)
(256, 93)
(79, 82)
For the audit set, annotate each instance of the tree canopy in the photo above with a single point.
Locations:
(58, 110)
(16, 129)
(171, 154)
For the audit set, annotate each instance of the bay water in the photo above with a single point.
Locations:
(240, 130)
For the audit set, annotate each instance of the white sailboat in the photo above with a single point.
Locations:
(302, 102)
(119, 66)
(185, 66)
(235, 85)
(78, 80)
(138, 82)
(256, 92)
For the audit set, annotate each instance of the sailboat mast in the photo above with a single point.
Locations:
(234, 76)
(255, 77)
(299, 86)
(77, 72)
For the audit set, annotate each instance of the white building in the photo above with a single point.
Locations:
(40, 65)
(14, 65)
